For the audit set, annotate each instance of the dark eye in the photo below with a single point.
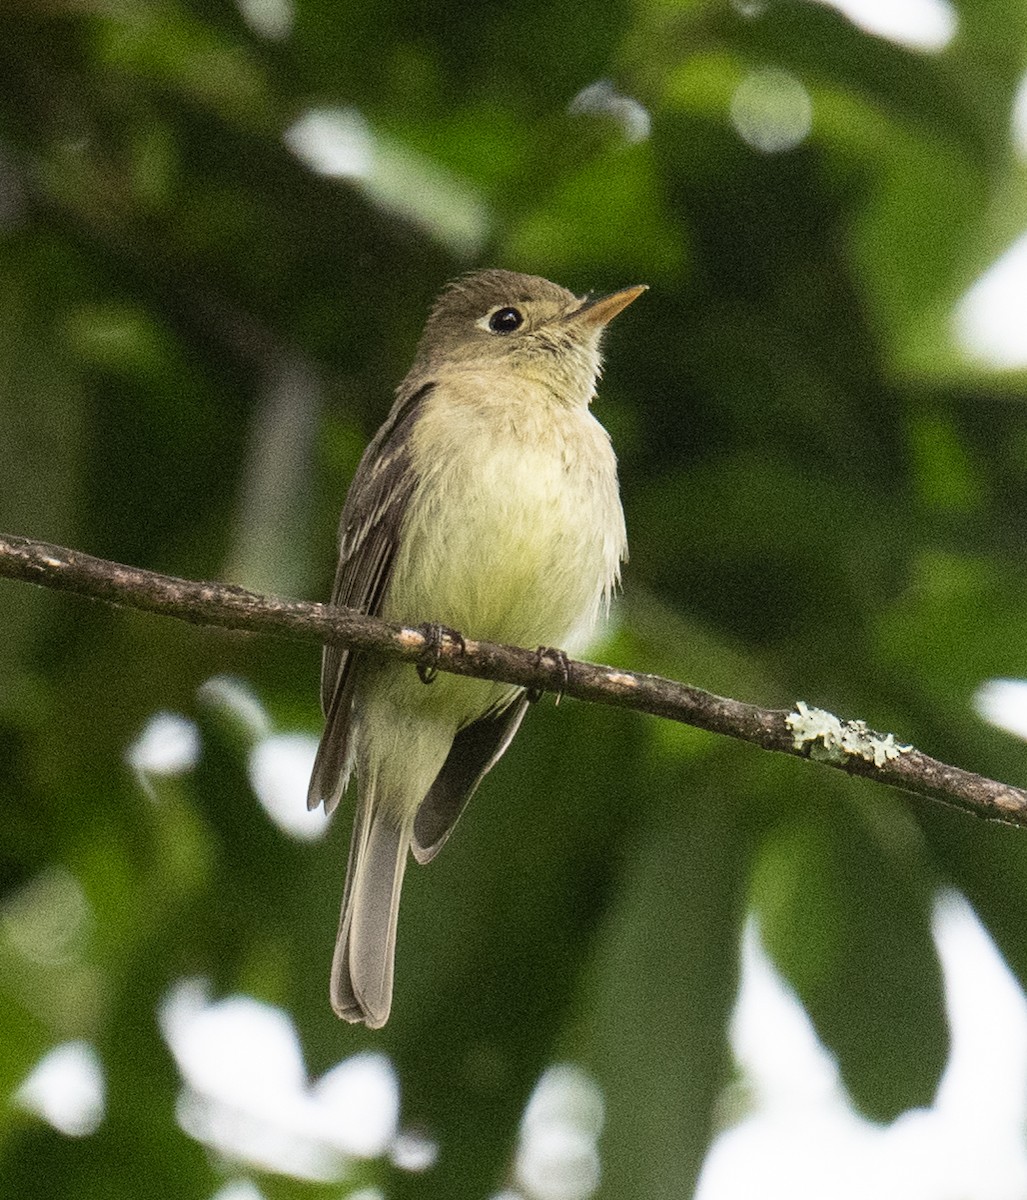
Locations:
(505, 320)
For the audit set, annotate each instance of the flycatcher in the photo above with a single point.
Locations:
(487, 503)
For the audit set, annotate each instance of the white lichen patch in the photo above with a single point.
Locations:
(830, 739)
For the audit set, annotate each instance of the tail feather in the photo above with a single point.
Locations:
(334, 759)
(365, 949)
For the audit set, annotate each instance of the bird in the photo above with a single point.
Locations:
(488, 504)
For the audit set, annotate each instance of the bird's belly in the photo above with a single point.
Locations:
(520, 553)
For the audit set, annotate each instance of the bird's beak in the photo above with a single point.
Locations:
(603, 309)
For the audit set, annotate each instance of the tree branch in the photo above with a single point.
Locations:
(805, 732)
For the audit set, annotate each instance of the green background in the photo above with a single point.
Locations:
(198, 334)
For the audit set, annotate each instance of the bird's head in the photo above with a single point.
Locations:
(524, 325)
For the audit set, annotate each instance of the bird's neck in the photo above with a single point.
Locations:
(561, 385)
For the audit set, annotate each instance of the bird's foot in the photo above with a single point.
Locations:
(563, 664)
(434, 638)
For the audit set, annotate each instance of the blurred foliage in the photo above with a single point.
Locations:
(199, 332)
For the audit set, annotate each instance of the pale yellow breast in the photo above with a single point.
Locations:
(515, 532)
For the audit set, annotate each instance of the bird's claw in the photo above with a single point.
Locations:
(563, 664)
(434, 638)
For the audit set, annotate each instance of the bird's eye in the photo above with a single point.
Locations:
(505, 320)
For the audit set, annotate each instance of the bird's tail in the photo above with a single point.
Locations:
(365, 949)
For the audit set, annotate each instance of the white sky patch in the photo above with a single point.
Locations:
(750, 9)
(916, 24)
(278, 764)
(1019, 121)
(247, 1094)
(339, 143)
(333, 141)
(413, 1152)
(804, 1141)
(990, 321)
(66, 1088)
(558, 1155)
(235, 698)
(238, 1189)
(169, 745)
(771, 111)
(983, 1092)
(602, 99)
(47, 921)
(271, 19)
(1003, 702)
(279, 770)
(358, 1105)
